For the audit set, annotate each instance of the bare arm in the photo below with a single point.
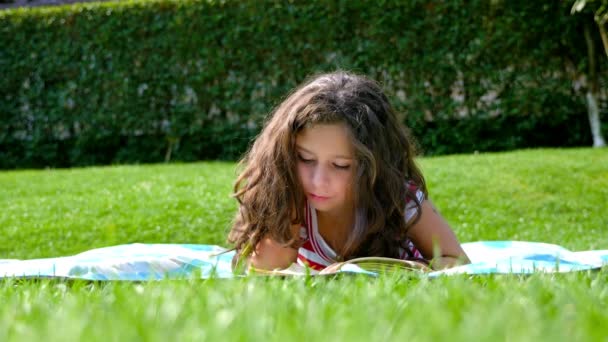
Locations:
(432, 235)
(270, 255)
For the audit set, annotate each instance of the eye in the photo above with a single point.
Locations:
(342, 167)
(304, 160)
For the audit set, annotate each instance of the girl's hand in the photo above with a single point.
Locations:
(447, 262)
(331, 268)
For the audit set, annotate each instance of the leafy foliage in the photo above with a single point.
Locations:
(146, 81)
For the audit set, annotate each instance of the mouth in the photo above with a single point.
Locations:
(320, 198)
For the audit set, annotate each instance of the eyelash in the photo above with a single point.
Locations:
(308, 161)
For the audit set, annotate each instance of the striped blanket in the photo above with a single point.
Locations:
(140, 262)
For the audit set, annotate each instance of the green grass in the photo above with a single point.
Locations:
(556, 196)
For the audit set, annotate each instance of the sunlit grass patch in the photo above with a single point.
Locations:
(555, 196)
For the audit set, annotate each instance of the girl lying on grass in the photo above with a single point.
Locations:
(332, 177)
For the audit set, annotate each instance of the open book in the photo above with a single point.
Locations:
(366, 265)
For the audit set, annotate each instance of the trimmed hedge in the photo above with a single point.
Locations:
(147, 81)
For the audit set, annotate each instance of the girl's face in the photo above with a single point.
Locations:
(326, 164)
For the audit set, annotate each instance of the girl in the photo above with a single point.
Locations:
(332, 177)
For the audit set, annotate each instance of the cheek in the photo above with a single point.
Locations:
(346, 183)
(302, 173)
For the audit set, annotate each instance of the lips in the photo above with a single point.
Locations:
(318, 197)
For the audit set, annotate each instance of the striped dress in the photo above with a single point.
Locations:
(317, 254)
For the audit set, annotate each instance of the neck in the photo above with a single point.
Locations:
(344, 216)
(335, 227)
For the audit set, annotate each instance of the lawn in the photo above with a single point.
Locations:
(550, 195)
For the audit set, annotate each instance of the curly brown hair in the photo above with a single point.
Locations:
(270, 195)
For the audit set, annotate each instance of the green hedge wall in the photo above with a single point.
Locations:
(147, 81)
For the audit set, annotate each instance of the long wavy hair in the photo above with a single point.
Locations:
(271, 198)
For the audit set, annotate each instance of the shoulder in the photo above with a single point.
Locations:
(414, 196)
(413, 190)
(413, 193)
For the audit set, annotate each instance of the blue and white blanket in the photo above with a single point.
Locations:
(139, 262)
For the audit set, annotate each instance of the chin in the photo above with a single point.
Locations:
(323, 206)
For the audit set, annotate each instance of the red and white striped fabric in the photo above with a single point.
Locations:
(317, 254)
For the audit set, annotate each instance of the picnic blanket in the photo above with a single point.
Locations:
(141, 262)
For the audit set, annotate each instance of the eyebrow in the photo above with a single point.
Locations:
(336, 156)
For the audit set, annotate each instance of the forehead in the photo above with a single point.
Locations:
(332, 140)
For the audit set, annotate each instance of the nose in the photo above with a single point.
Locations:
(320, 177)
